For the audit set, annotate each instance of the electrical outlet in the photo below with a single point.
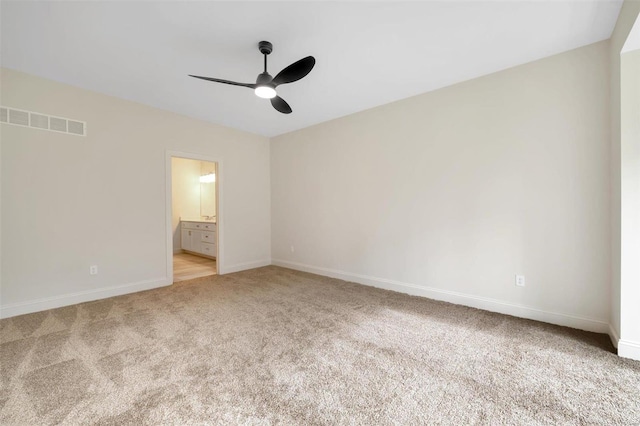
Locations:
(293, 249)
(93, 270)
(520, 280)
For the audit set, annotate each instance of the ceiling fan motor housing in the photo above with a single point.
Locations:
(265, 47)
(263, 79)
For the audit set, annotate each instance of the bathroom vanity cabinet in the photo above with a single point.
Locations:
(199, 238)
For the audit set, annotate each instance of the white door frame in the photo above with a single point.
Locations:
(169, 207)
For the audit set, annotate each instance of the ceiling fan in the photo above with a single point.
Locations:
(265, 85)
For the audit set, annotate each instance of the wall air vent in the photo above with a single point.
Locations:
(58, 124)
(20, 118)
(76, 127)
(41, 121)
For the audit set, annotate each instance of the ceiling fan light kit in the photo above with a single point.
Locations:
(265, 92)
(265, 85)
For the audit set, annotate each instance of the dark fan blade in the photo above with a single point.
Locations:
(217, 80)
(281, 105)
(295, 71)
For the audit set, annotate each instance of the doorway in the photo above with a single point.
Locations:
(193, 218)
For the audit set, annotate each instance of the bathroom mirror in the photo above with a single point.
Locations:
(207, 189)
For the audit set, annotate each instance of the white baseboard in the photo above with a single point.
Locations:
(177, 251)
(37, 305)
(629, 349)
(479, 302)
(614, 336)
(244, 266)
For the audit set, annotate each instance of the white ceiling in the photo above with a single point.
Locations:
(367, 53)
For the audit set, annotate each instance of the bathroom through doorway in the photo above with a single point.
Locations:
(194, 224)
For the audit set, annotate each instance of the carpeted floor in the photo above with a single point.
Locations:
(274, 345)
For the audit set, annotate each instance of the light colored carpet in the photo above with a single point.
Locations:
(274, 345)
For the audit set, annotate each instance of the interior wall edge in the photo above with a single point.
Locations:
(478, 302)
(628, 15)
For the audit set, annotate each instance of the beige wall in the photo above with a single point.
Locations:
(451, 193)
(101, 199)
(628, 15)
(185, 191)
